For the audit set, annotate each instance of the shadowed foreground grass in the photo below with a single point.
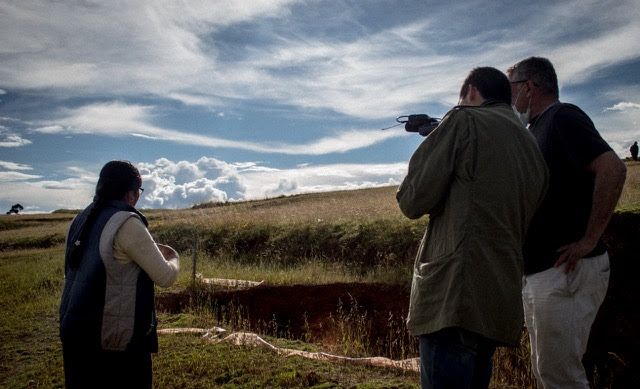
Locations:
(30, 352)
(194, 363)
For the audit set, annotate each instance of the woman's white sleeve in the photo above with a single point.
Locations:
(136, 242)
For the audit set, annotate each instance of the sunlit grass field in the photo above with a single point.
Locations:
(350, 207)
(630, 197)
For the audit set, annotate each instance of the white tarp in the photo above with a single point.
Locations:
(253, 340)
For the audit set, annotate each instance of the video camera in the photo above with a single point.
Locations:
(423, 124)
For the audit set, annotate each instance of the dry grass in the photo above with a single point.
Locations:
(630, 198)
(310, 271)
(33, 231)
(334, 207)
(354, 205)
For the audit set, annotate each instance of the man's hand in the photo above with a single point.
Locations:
(571, 253)
(609, 174)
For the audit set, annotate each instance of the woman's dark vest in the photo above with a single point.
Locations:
(106, 305)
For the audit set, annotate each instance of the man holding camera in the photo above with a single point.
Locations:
(480, 177)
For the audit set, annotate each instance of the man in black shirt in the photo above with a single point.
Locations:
(566, 264)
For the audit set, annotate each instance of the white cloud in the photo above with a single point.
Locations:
(47, 195)
(119, 119)
(372, 76)
(577, 52)
(82, 175)
(10, 139)
(73, 192)
(577, 61)
(623, 106)
(181, 184)
(53, 129)
(322, 178)
(197, 100)
(16, 176)
(173, 49)
(146, 46)
(283, 187)
(9, 119)
(14, 166)
(619, 124)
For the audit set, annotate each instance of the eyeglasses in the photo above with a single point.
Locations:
(141, 190)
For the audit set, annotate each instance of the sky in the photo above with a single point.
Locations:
(236, 100)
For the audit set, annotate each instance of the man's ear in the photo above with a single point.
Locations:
(472, 93)
(466, 99)
(530, 88)
(474, 97)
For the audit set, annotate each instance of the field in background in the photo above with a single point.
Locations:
(630, 197)
(325, 238)
(353, 208)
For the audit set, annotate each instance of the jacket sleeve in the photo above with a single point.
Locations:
(136, 242)
(431, 169)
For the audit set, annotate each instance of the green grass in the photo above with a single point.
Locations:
(370, 244)
(307, 271)
(195, 363)
(32, 231)
(30, 352)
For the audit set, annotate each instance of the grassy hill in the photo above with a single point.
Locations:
(350, 207)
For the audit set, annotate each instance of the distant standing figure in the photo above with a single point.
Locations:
(634, 151)
(566, 263)
(480, 177)
(107, 312)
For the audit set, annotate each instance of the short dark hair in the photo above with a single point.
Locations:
(490, 82)
(116, 179)
(539, 70)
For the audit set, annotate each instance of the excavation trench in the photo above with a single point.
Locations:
(361, 319)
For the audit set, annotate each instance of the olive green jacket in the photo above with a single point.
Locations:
(480, 177)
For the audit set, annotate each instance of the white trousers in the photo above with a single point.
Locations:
(559, 310)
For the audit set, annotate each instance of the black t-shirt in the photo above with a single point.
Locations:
(569, 143)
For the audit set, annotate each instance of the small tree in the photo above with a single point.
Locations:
(15, 208)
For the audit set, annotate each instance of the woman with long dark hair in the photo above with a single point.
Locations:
(107, 312)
